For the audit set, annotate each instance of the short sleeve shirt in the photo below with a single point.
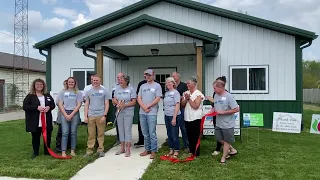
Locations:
(171, 98)
(149, 92)
(125, 94)
(223, 103)
(70, 99)
(97, 98)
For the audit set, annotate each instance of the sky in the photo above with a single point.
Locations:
(50, 17)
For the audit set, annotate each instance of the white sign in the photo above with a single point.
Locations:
(208, 127)
(315, 124)
(286, 122)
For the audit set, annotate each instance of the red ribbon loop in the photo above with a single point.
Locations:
(44, 135)
(190, 158)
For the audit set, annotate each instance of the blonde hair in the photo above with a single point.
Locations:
(75, 88)
(170, 79)
(33, 86)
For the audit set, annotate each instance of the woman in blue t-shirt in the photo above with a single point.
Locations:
(125, 99)
(69, 104)
(171, 104)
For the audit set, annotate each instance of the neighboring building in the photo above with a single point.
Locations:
(37, 69)
(262, 60)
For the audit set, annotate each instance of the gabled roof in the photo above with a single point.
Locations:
(303, 34)
(140, 21)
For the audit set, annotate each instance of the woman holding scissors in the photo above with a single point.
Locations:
(125, 98)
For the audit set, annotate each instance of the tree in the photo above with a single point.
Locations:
(311, 74)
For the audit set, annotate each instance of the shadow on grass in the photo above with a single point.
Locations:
(16, 151)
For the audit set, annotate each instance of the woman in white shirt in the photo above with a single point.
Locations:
(193, 102)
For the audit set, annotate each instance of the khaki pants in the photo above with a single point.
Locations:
(94, 122)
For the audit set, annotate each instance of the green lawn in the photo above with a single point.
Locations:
(274, 156)
(16, 151)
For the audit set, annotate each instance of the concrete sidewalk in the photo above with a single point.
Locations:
(118, 166)
(12, 116)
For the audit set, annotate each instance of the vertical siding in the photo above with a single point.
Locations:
(7, 75)
(148, 35)
(242, 44)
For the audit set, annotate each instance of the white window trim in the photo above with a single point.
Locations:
(85, 72)
(249, 91)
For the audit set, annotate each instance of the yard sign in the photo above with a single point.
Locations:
(208, 127)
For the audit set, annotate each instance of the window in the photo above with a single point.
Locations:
(82, 76)
(249, 79)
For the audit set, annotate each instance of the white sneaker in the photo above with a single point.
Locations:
(215, 153)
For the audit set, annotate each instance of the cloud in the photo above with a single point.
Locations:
(49, 1)
(7, 44)
(65, 12)
(38, 23)
(98, 8)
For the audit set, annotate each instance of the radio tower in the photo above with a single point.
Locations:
(21, 52)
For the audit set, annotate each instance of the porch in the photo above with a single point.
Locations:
(147, 42)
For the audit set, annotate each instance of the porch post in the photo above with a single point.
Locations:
(99, 64)
(199, 68)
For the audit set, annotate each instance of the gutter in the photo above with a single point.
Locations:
(214, 52)
(307, 45)
(84, 51)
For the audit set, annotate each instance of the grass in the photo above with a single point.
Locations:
(267, 155)
(16, 151)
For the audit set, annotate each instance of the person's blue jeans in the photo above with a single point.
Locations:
(148, 126)
(65, 126)
(173, 132)
(183, 129)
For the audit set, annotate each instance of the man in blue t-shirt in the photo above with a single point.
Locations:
(148, 98)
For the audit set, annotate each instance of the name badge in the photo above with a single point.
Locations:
(66, 93)
(172, 93)
(128, 91)
(223, 98)
(101, 91)
(152, 89)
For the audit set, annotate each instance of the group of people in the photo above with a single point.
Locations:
(182, 106)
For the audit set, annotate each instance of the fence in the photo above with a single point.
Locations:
(311, 96)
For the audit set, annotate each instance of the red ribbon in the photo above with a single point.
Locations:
(44, 134)
(192, 157)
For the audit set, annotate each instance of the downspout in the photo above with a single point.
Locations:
(303, 47)
(48, 67)
(84, 51)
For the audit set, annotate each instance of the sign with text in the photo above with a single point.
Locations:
(208, 127)
(286, 122)
(315, 124)
(252, 119)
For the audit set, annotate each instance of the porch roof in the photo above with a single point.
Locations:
(140, 21)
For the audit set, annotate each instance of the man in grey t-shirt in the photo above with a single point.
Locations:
(95, 114)
(148, 98)
(225, 106)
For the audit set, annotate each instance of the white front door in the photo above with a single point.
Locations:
(160, 75)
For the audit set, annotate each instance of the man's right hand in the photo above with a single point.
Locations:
(86, 120)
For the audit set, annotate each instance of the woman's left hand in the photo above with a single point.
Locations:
(174, 122)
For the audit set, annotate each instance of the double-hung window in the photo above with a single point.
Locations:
(249, 79)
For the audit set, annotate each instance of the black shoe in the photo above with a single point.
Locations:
(46, 153)
(138, 144)
(33, 156)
